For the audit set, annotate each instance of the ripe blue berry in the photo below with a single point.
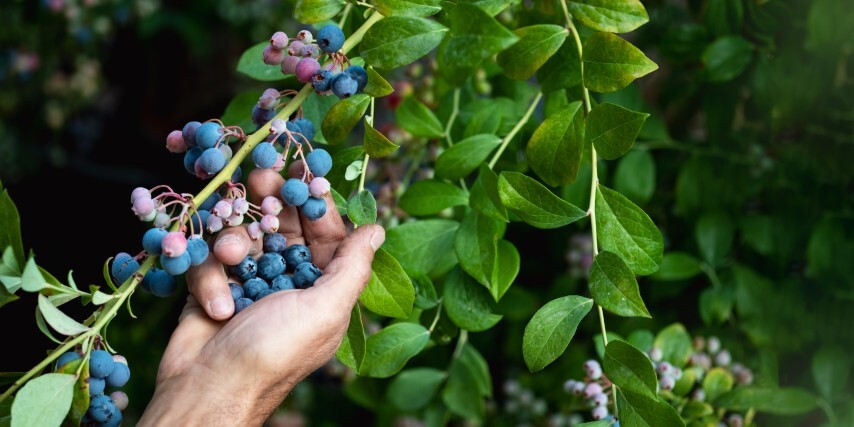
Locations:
(253, 287)
(319, 162)
(294, 192)
(162, 284)
(115, 418)
(263, 293)
(175, 265)
(101, 364)
(123, 268)
(358, 73)
(296, 255)
(189, 133)
(96, 386)
(283, 282)
(190, 158)
(246, 269)
(264, 155)
(307, 128)
(321, 80)
(237, 174)
(330, 39)
(198, 250)
(275, 242)
(241, 304)
(210, 202)
(313, 208)
(208, 134)
(66, 357)
(213, 160)
(236, 291)
(146, 280)
(270, 265)
(102, 408)
(120, 376)
(344, 86)
(261, 116)
(305, 275)
(151, 240)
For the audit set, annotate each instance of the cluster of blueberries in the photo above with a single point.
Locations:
(594, 388)
(105, 370)
(205, 147)
(280, 268)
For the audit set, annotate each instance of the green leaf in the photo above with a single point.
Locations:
(612, 129)
(354, 170)
(484, 195)
(491, 7)
(376, 144)
(677, 266)
(43, 401)
(468, 304)
(831, 367)
(614, 287)
(639, 410)
(425, 292)
(625, 229)
(415, 118)
(420, 8)
(10, 230)
(556, 147)
(252, 64)
(536, 45)
(377, 86)
(428, 197)
(343, 117)
(714, 233)
(630, 369)
(6, 297)
(534, 203)
(465, 156)
(425, 246)
(340, 202)
(351, 352)
(414, 388)
(611, 63)
(509, 263)
(482, 121)
(315, 108)
(468, 383)
(239, 110)
(778, 401)
(362, 208)
(59, 320)
(675, 344)
(635, 176)
(641, 338)
(80, 400)
(314, 11)
(340, 162)
(400, 40)
(717, 382)
(562, 70)
(389, 292)
(612, 16)
(726, 58)
(32, 279)
(548, 333)
(715, 306)
(476, 245)
(600, 423)
(474, 36)
(389, 349)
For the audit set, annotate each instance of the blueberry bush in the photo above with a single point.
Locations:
(598, 212)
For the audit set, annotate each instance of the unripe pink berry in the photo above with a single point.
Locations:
(289, 65)
(234, 220)
(273, 56)
(600, 399)
(295, 49)
(174, 244)
(144, 206)
(665, 368)
(278, 126)
(591, 364)
(240, 205)
(119, 359)
(214, 224)
(305, 36)
(161, 219)
(270, 224)
(592, 389)
(306, 68)
(175, 142)
(655, 354)
(268, 99)
(271, 206)
(139, 192)
(667, 383)
(599, 413)
(280, 163)
(279, 40)
(254, 230)
(223, 208)
(120, 399)
(318, 187)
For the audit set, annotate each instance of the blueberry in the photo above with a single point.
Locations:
(146, 280)
(175, 265)
(125, 268)
(263, 293)
(198, 250)
(253, 287)
(306, 67)
(210, 202)
(101, 364)
(294, 192)
(208, 134)
(66, 357)
(264, 155)
(213, 160)
(344, 86)
(241, 304)
(151, 240)
(200, 219)
(236, 291)
(189, 133)
(101, 408)
(319, 162)
(358, 73)
(666, 383)
(283, 282)
(118, 263)
(293, 127)
(305, 275)
(261, 116)
(599, 412)
(310, 51)
(270, 265)
(275, 242)
(296, 255)
(190, 158)
(162, 284)
(321, 80)
(115, 418)
(314, 208)
(308, 130)
(330, 39)
(237, 174)
(96, 386)
(246, 269)
(120, 376)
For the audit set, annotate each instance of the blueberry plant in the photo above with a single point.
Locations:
(536, 157)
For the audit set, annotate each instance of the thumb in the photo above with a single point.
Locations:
(350, 269)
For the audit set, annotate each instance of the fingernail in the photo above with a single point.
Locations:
(377, 239)
(219, 307)
(228, 239)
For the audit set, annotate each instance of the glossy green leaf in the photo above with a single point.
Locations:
(314, 11)
(476, 245)
(537, 43)
(677, 266)
(635, 176)
(340, 162)
(468, 304)
(10, 230)
(557, 145)
(468, 383)
(420, 8)
(6, 297)
(425, 246)
(343, 117)
(251, 64)
(351, 352)
(509, 263)
(58, 320)
(612, 129)
(315, 108)
(415, 118)
(484, 195)
(377, 86)
(550, 330)
(639, 410)
(614, 287)
(465, 156)
(414, 388)
(675, 344)
(425, 292)
(428, 197)
(400, 40)
(726, 58)
(831, 367)
(43, 401)
(534, 203)
(562, 70)
(340, 202)
(32, 279)
(483, 121)
(717, 382)
(714, 232)
(389, 292)
(362, 208)
(779, 401)
(80, 400)
(613, 16)
(491, 7)
(474, 36)
(625, 229)
(630, 369)
(611, 63)
(389, 349)
(641, 339)
(695, 409)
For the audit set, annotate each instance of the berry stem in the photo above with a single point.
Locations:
(515, 130)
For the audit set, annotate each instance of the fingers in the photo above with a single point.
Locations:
(350, 269)
(209, 284)
(325, 234)
(194, 330)
(233, 244)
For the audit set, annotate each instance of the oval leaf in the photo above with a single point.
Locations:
(465, 156)
(612, 129)
(630, 369)
(556, 147)
(376, 144)
(420, 8)
(717, 382)
(43, 401)
(415, 118)
(389, 349)
(484, 195)
(677, 266)
(429, 197)
(548, 333)
(625, 229)
(675, 344)
(779, 401)
(413, 389)
(362, 208)
(59, 320)
(314, 11)
(377, 86)
(399, 40)
(635, 176)
(476, 245)
(727, 58)
(389, 292)
(423, 247)
(474, 36)
(468, 383)
(508, 268)
(613, 286)
(611, 63)
(613, 16)
(639, 410)
(534, 203)
(536, 45)
(252, 64)
(343, 117)
(468, 304)
(351, 352)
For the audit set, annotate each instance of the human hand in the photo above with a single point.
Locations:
(237, 372)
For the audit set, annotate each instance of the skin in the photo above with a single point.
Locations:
(236, 372)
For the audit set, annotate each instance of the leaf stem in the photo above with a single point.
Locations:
(453, 118)
(515, 130)
(436, 318)
(461, 342)
(345, 14)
